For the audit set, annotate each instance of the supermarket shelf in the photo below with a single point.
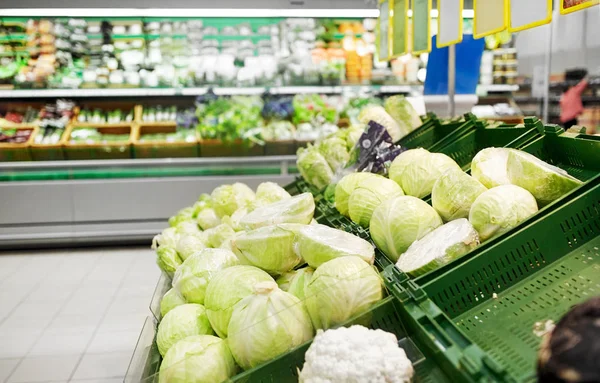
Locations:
(114, 202)
(497, 88)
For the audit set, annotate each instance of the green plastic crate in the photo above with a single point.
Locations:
(433, 133)
(493, 298)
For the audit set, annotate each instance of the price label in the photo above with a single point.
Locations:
(384, 31)
(399, 23)
(491, 16)
(570, 6)
(450, 22)
(527, 14)
(421, 26)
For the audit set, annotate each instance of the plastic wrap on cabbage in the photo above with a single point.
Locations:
(403, 112)
(441, 246)
(379, 115)
(313, 167)
(298, 209)
(374, 151)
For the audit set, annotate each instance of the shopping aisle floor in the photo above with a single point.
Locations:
(72, 315)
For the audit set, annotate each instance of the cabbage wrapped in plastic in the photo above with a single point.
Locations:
(170, 300)
(344, 189)
(226, 199)
(341, 289)
(193, 276)
(369, 194)
(313, 167)
(270, 192)
(168, 259)
(441, 246)
(378, 114)
(400, 221)
(267, 324)
(219, 234)
(489, 166)
(185, 214)
(454, 193)
(403, 113)
(335, 152)
(188, 245)
(546, 182)
(226, 289)
(499, 209)
(199, 358)
(295, 282)
(320, 244)
(179, 323)
(298, 209)
(418, 176)
(207, 218)
(270, 248)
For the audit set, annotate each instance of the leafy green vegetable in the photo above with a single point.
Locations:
(181, 322)
(454, 193)
(185, 214)
(227, 199)
(188, 245)
(335, 152)
(219, 234)
(167, 259)
(403, 113)
(369, 194)
(295, 282)
(489, 166)
(345, 187)
(298, 209)
(379, 115)
(170, 300)
(313, 167)
(207, 218)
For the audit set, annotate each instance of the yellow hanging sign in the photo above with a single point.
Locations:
(570, 6)
(450, 23)
(398, 28)
(527, 14)
(421, 26)
(490, 17)
(384, 30)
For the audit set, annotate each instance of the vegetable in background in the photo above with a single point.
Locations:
(188, 228)
(313, 167)
(356, 354)
(441, 246)
(193, 276)
(369, 194)
(403, 113)
(170, 300)
(335, 152)
(400, 221)
(298, 209)
(167, 259)
(271, 248)
(378, 114)
(345, 187)
(269, 192)
(295, 282)
(181, 322)
(200, 358)
(226, 289)
(547, 183)
(266, 324)
(185, 214)
(227, 199)
(207, 219)
(500, 209)
(418, 175)
(489, 166)
(318, 244)
(188, 245)
(340, 289)
(167, 238)
(454, 193)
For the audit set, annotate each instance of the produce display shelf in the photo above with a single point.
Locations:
(495, 298)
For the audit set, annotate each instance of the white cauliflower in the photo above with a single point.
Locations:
(355, 355)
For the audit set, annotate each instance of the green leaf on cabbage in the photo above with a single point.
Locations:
(207, 219)
(179, 323)
(227, 199)
(546, 182)
(313, 167)
(499, 209)
(295, 282)
(403, 113)
(400, 221)
(344, 189)
(270, 192)
(226, 289)
(318, 244)
(335, 152)
(369, 194)
(340, 289)
(168, 259)
(441, 246)
(188, 245)
(219, 234)
(454, 193)
(185, 214)
(170, 300)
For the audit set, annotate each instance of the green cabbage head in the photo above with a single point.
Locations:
(443, 245)
(454, 193)
(547, 183)
(199, 358)
(269, 192)
(181, 322)
(270, 248)
(185, 214)
(187, 227)
(298, 209)
(226, 289)
(400, 221)
(369, 194)
(207, 219)
(378, 114)
(403, 112)
(318, 244)
(418, 176)
(167, 259)
(193, 276)
(219, 234)
(227, 199)
(335, 152)
(499, 209)
(266, 324)
(345, 187)
(168, 238)
(295, 282)
(188, 245)
(314, 167)
(340, 289)
(489, 166)
(170, 300)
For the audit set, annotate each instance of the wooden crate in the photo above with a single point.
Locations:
(162, 149)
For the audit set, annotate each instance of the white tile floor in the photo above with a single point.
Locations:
(72, 315)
